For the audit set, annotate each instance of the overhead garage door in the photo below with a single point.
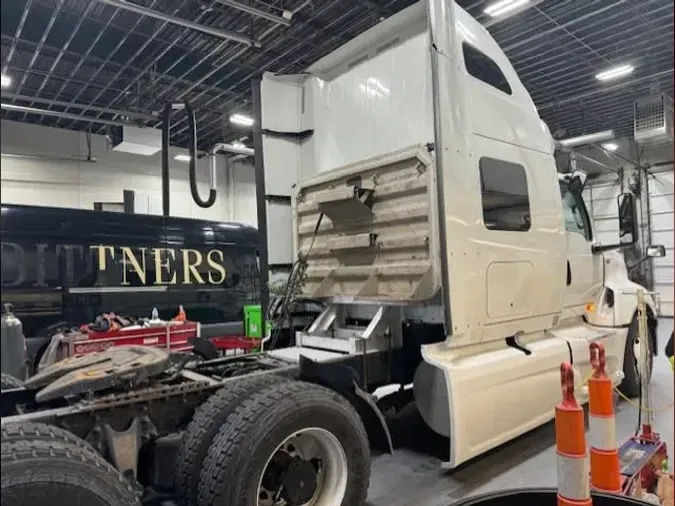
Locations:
(661, 213)
(600, 199)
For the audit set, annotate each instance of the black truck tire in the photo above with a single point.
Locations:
(257, 433)
(30, 431)
(206, 422)
(7, 382)
(45, 473)
(630, 385)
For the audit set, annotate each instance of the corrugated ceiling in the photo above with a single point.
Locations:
(109, 61)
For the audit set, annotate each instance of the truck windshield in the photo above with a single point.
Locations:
(575, 213)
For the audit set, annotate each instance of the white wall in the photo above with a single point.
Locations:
(78, 184)
(661, 206)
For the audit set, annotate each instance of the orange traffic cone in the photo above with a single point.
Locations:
(605, 469)
(570, 441)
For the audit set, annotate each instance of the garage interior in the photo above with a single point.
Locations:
(75, 73)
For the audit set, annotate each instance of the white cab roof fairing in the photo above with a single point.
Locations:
(406, 23)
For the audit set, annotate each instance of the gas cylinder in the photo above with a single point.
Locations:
(12, 345)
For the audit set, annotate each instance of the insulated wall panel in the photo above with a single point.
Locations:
(662, 230)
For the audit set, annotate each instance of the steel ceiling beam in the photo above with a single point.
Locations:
(265, 67)
(105, 62)
(256, 12)
(129, 61)
(63, 50)
(63, 115)
(93, 61)
(151, 13)
(605, 90)
(17, 35)
(43, 39)
(548, 32)
(87, 107)
(84, 57)
(153, 61)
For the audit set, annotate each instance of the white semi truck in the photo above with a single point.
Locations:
(430, 219)
(436, 198)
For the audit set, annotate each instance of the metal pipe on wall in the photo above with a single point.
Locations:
(229, 148)
(145, 11)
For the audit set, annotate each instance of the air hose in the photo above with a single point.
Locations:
(166, 138)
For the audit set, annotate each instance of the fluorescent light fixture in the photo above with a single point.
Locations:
(241, 119)
(610, 146)
(500, 8)
(606, 135)
(182, 158)
(614, 73)
(6, 81)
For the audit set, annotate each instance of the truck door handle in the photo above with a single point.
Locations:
(569, 274)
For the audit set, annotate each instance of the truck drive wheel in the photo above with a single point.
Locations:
(29, 431)
(8, 382)
(630, 386)
(45, 473)
(290, 444)
(206, 422)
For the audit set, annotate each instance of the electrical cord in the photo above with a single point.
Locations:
(639, 405)
(292, 285)
(630, 401)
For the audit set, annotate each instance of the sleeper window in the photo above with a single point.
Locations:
(506, 203)
(484, 69)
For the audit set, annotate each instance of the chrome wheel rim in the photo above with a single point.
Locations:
(309, 468)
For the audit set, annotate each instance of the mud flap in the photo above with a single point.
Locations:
(344, 380)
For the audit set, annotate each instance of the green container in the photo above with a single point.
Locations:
(253, 321)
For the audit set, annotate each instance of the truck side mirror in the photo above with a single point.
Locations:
(657, 251)
(628, 230)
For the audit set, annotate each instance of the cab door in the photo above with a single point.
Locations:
(584, 268)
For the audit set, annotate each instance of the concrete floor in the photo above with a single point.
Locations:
(413, 476)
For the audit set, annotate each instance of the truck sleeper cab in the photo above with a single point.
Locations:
(435, 197)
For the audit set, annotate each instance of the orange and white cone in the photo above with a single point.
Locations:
(605, 468)
(570, 442)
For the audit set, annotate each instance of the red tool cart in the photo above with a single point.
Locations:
(173, 336)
